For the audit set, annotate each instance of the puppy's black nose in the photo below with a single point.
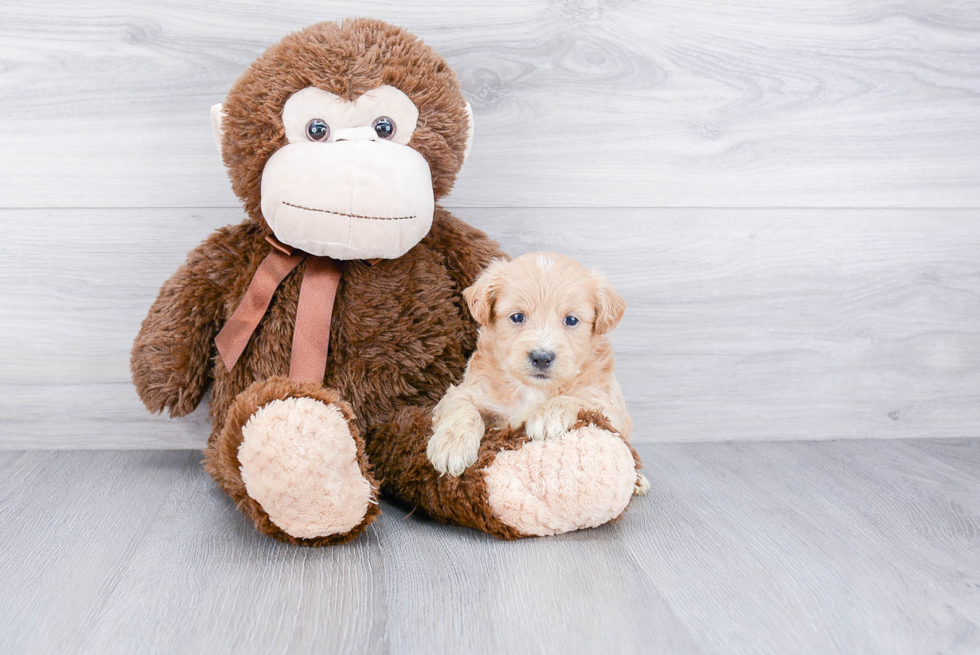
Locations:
(541, 359)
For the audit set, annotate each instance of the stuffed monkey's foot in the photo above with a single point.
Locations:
(517, 487)
(299, 461)
(295, 463)
(581, 479)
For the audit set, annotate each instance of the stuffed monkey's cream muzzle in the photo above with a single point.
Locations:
(357, 197)
(344, 191)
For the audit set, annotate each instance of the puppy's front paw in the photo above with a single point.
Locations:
(455, 442)
(552, 419)
(642, 486)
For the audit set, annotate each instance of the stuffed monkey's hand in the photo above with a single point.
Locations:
(553, 418)
(457, 431)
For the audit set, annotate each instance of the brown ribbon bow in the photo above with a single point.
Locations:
(311, 333)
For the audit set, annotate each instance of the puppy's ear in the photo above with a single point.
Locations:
(480, 297)
(609, 305)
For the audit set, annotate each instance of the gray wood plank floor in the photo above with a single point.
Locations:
(806, 547)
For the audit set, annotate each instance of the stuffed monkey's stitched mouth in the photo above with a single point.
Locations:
(371, 218)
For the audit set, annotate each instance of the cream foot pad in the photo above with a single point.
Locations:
(582, 479)
(299, 461)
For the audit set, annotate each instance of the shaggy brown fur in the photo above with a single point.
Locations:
(401, 332)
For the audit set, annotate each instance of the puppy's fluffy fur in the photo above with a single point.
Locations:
(539, 306)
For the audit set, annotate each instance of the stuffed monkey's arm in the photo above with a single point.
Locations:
(171, 356)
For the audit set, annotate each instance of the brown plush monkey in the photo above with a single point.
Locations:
(331, 320)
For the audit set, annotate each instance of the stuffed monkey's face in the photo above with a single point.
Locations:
(347, 184)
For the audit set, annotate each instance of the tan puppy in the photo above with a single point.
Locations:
(541, 356)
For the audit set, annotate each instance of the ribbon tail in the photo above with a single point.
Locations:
(311, 333)
(236, 333)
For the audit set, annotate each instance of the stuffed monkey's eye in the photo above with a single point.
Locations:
(517, 318)
(384, 127)
(570, 321)
(317, 130)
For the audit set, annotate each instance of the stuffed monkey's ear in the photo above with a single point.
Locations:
(481, 296)
(470, 126)
(216, 127)
(609, 305)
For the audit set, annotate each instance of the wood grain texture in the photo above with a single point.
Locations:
(837, 540)
(756, 548)
(578, 102)
(742, 324)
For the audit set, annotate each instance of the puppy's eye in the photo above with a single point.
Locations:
(570, 321)
(384, 127)
(517, 318)
(317, 130)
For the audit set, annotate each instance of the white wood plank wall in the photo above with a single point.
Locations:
(788, 195)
